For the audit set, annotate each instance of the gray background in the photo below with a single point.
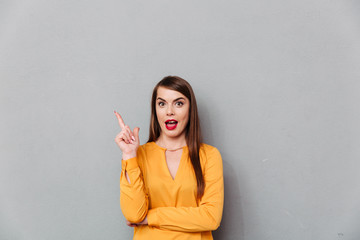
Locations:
(278, 89)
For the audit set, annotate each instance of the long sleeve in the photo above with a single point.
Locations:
(207, 215)
(133, 198)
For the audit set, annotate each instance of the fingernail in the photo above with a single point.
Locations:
(133, 138)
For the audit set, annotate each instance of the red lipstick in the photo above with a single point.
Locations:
(171, 124)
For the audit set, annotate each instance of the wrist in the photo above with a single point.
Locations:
(126, 156)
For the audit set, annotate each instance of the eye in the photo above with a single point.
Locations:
(179, 104)
(161, 104)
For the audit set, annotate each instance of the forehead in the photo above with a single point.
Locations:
(168, 94)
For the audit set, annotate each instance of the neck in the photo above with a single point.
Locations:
(171, 143)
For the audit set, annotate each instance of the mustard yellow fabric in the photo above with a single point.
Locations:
(170, 204)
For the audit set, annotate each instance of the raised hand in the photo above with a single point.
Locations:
(127, 140)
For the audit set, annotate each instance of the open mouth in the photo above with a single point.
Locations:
(171, 124)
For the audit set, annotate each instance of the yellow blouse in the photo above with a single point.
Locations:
(170, 204)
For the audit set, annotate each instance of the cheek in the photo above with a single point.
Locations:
(185, 116)
(159, 114)
(186, 120)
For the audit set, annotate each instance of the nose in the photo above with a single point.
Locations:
(169, 111)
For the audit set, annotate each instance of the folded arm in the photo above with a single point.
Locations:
(207, 215)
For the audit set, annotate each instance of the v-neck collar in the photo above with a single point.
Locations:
(166, 167)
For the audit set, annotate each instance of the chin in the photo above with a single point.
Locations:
(171, 133)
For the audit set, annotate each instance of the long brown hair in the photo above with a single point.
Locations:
(192, 130)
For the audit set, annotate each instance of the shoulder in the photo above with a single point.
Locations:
(209, 153)
(147, 149)
(208, 149)
(145, 152)
(211, 160)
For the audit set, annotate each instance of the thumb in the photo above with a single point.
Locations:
(136, 133)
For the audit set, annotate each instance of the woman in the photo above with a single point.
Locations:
(172, 186)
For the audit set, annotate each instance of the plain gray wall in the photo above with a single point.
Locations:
(278, 89)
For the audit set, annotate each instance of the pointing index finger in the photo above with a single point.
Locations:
(121, 121)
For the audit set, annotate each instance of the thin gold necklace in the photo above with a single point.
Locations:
(173, 150)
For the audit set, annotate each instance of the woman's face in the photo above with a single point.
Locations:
(172, 112)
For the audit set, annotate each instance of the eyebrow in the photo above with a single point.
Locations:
(180, 98)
